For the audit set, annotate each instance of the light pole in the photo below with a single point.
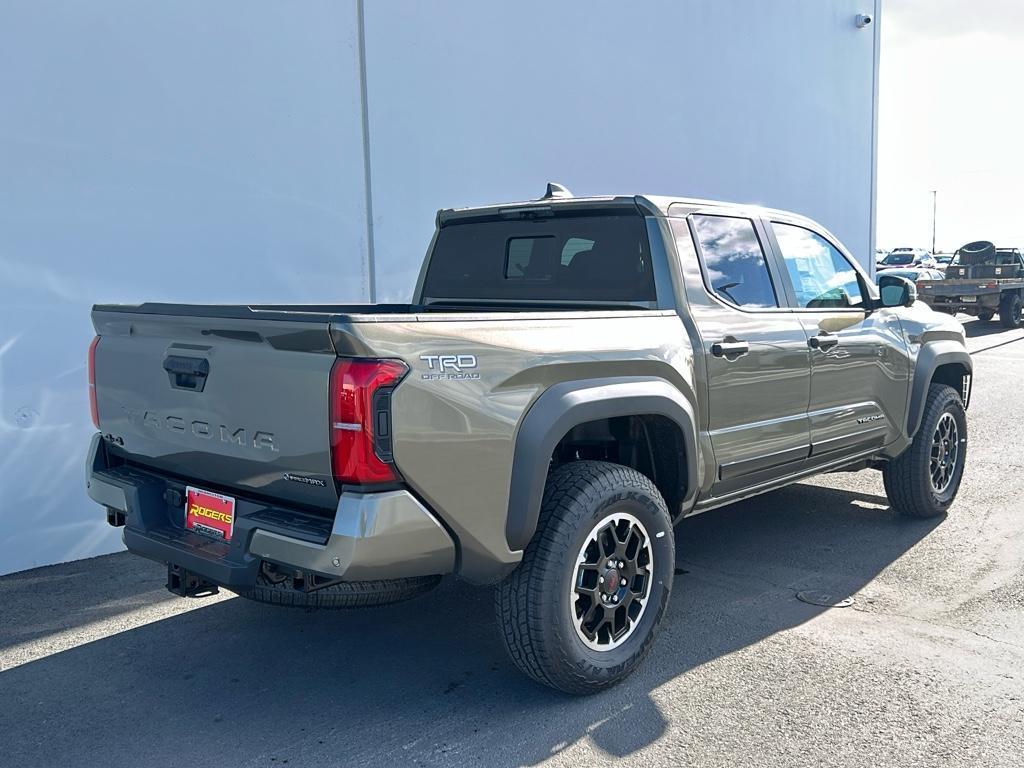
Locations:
(935, 195)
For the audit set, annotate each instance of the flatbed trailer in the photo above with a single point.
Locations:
(983, 298)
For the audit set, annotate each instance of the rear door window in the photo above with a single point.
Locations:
(559, 259)
(734, 261)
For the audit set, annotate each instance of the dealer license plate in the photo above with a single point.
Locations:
(209, 513)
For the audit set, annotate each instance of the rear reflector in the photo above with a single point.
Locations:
(360, 413)
(93, 408)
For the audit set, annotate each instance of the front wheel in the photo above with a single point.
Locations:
(580, 612)
(924, 479)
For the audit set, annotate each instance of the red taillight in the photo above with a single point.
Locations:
(93, 408)
(361, 419)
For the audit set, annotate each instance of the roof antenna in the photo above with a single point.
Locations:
(555, 190)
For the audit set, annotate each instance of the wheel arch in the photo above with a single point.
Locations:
(568, 405)
(945, 362)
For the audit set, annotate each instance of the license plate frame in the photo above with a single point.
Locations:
(209, 513)
(969, 299)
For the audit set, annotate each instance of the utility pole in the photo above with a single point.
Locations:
(935, 195)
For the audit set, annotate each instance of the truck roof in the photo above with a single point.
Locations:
(656, 205)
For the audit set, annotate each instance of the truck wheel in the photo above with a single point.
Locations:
(279, 589)
(1009, 311)
(985, 317)
(924, 479)
(580, 612)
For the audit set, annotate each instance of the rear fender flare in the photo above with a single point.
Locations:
(568, 404)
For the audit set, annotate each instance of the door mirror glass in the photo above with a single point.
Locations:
(896, 291)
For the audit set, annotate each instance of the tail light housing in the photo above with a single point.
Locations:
(93, 408)
(360, 413)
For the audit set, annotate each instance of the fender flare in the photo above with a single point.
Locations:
(933, 354)
(568, 404)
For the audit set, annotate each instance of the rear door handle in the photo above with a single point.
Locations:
(730, 348)
(823, 341)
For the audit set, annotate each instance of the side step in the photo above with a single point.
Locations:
(187, 584)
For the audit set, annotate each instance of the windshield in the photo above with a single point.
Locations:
(899, 258)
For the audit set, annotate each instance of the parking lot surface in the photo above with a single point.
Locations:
(99, 665)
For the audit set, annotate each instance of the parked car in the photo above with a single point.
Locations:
(982, 280)
(943, 259)
(572, 378)
(915, 274)
(907, 257)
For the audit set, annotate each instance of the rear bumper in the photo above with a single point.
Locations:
(383, 535)
(983, 302)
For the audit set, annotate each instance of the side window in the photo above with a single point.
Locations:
(821, 275)
(734, 262)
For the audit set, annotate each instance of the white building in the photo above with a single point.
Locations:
(258, 151)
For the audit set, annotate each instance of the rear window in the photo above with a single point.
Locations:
(590, 258)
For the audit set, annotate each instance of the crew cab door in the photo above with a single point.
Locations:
(755, 352)
(860, 367)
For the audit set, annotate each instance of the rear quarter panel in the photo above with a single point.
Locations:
(454, 436)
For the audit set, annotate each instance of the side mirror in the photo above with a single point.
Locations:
(896, 291)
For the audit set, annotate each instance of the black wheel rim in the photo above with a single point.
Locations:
(612, 582)
(945, 453)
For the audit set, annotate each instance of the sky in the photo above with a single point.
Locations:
(951, 118)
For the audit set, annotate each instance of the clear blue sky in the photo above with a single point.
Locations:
(951, 117)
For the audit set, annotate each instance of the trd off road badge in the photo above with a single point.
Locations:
(449, 367)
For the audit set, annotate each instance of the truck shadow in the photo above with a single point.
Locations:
(974, 328)
(427, 681)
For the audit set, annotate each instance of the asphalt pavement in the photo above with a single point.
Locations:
(99, 665)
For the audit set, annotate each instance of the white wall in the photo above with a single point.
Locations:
(743, 100)
(185, 151)
(214, 152)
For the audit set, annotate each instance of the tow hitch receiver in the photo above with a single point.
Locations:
(187, 584)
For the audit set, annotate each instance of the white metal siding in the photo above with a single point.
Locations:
(217, 152)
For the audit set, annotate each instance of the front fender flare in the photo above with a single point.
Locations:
(568, 404)
(933, 354)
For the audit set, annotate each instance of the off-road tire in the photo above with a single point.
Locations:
(346, 594)
(1010, 310)
(534, 604)
(907, 478)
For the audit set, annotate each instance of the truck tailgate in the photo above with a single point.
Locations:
(235, 404)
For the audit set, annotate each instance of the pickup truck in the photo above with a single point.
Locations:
(981, 281)
(572, 378)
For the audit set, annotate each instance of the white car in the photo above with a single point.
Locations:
(907, 257)
(914, 274)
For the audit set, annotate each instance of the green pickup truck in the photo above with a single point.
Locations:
(572, 377)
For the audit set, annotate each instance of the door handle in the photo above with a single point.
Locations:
(730, 348)
(823, 341)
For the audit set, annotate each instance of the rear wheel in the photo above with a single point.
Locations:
(924, 479)
(1010, 310)
(580, 612)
